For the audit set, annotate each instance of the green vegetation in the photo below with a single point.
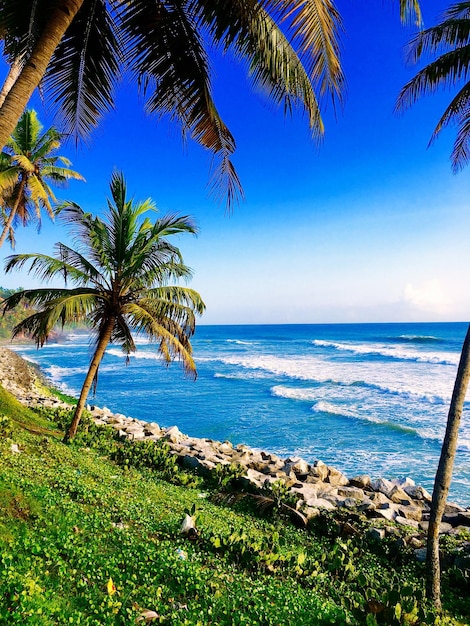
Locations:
(28, 164)
(120, 270)
(90, 535)
(10, 319)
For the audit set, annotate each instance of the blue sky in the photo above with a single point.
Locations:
(370, 226)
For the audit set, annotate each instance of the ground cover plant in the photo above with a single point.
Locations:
(90, 534)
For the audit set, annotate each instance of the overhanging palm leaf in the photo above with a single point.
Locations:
(450, 39)
(85, 69)
(292, 47)
(121, 271)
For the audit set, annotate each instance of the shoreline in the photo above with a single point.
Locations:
(318, 487)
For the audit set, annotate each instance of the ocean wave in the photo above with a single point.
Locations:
(140, 354)
(281, 391)
(56, 372)
(406, 394)
(241, 375)
(435, 358)
(327, 407)
(332, 409)
(239, 342)
(417, 338)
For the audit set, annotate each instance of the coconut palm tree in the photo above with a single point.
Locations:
(79, 47)
(27, 166)
(450, 41)
(120, 270)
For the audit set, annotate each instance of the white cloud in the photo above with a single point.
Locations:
(429, 296)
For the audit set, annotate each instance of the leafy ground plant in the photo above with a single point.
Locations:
(86, 540)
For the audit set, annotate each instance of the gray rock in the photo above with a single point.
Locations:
(348, 503)
(384, 486)
(417, 493)
(351, 492)
(404, 521)
(452, 508)
(388, 513)
(376, 534)
(399, 496)
(443, 528)
(319, 470)
(366, 505)
(411, 512)
(363, 481)
(296, 465)
(335, 477)
(173, 434)
(152, 428)
(420, 554)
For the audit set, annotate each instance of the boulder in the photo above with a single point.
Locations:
(363, 481)
(351, 492)
(319, 471)
(411, 512)
(404, 521)
(173, 434)
(152, 428)
(443, 528)
(296, 465)
(335, 477)
(389, 513)
(417, 493)
(376, 534)
(382, 485)
(399, 496)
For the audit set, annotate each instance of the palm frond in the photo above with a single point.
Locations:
(410, 12)
(85, 68)
(58, 306)
(44, 267)
(167, 54)
(315, 27)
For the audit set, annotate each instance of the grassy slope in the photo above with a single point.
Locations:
(71, 519)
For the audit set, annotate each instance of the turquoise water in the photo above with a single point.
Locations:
(366, 398)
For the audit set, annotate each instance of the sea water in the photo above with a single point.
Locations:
(365, 398)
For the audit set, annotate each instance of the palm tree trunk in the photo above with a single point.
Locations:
(95, 363)
(13, 211)
(13, 73)
(33, 71)
(444, 475)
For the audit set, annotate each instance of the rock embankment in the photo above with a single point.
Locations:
(316, 486)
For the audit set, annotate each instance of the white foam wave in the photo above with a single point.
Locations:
(440, 358)
(139, 355)
(328, 407)
(241, 376)
(408, 394)
(239, 342)
(281, 391)
(55, 372)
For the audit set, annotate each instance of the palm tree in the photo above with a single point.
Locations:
(450, 39)
(27, 165)
(121, 270)
(79, 47)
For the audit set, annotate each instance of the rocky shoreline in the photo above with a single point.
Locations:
(316, 486)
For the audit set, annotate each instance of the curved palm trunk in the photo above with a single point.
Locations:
(444, 474)
(13, 211)
(95, 362)
(33, 71)
(10, 80)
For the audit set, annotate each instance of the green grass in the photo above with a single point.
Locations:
(71, 519)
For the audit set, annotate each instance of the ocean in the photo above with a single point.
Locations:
(365, 398)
